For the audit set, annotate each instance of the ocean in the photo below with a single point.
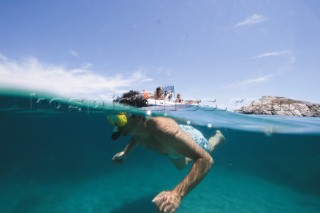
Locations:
(55, 156)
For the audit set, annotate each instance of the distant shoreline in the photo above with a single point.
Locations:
(274, 105)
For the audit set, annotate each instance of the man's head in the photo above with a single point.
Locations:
(124, 124)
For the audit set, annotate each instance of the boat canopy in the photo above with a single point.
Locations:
(169, 89)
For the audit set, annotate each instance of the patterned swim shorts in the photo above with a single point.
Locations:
(196, 135)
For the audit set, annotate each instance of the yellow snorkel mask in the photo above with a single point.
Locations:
(119, 120)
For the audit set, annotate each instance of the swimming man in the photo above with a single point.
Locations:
(181, 143)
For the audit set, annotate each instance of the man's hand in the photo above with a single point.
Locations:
(167, 201)
(119, 157)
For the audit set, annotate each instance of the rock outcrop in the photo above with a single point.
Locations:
(272, 105)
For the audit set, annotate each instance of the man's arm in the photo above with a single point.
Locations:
(121, 156)
(184, 144)
(170, 134)
(198, 171)
(132, 144)
(169, 201)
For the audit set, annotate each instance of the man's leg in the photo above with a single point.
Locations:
(215, 140)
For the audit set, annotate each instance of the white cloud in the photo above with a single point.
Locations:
(251, 20)
(252, 81)
(287, 54)
(86, 65)
(274, 53)
(3, 58)
(281, 53)
(74, 53)
(33, 75)
(157, 70)
(292, 59)
(147, 80)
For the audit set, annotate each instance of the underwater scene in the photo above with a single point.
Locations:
(55, 156)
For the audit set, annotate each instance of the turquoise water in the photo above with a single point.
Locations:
(55, 156)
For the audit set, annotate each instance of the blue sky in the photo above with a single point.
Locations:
(218, 49)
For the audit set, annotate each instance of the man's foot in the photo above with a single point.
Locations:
(215, 140)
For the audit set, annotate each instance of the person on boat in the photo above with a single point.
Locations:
(145, 94)
(167, 95)
(178, 98)
(170, 96)
(158, 94)
(183, 144)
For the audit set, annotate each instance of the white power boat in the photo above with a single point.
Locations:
(169, 100)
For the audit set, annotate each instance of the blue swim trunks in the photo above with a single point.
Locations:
(196, 135)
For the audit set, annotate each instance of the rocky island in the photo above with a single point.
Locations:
(273, 105)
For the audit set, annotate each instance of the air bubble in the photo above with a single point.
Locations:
(269, 131)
